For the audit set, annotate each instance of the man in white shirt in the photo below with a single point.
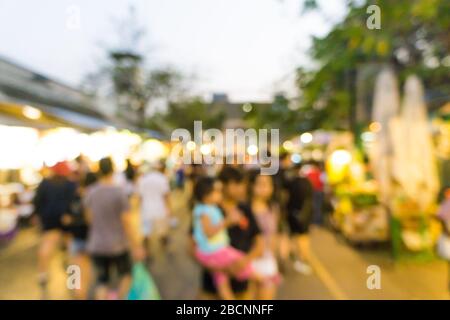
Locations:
(154, 191)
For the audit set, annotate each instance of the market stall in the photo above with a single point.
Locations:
(358, 213)
(33, 139)
(404, 164)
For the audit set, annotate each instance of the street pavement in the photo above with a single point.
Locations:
(340, 271)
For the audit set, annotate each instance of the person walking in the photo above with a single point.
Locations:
(153, 189)
(266, 212)
(76, 224)
(299, 209)
(113, 232)
(52, 201)
(316, 176)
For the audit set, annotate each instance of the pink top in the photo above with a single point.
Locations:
(267, 222)
(444, 210)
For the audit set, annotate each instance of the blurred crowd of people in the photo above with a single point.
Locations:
(245, 227)
(104, 219)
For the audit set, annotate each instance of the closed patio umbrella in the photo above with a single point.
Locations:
(385, 110)
(420, 181)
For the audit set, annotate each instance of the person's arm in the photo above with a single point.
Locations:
(192, 247)
(209, 229)
(87, 216)
(277, 238)
(256, 251)
(442, 215)
(168, 204)
(38, 198)
(87, 213)
(131, 221)
(257, 248)
(68, 218)
(166, 191)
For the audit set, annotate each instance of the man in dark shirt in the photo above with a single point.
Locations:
(299, 209)
(53, 199)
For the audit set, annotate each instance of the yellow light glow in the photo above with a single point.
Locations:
(31, 113)
(368, 136)
(306, 138)
(296, 158)
(288, 145)
(111, 143)
(153, 150)
(375, 127)
(191, 145)
(252, 150)
(317, 155)
(341, 157)
(62, 144)
(17, 145)
(247, 107)
(205, 149)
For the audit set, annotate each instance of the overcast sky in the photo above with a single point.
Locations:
(246, 48)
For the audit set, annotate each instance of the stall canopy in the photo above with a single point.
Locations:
(30, 99)
(46, 117)
(78, 120)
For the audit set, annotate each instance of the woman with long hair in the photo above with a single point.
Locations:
(266, 212)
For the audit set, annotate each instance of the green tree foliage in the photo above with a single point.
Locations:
(414, 38)
(183, 114)
(280, 114)
(129, 78)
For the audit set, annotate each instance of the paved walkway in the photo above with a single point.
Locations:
(340, 270)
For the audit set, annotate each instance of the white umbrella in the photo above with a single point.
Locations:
(420, 180)
(385, 109)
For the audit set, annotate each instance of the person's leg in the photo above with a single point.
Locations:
(101, 292)
(317, 207)
(81, 259)
(146, 233)
(163, 225)
(218, 260)
(300, 237)
(266, 290)
(160, 235)
(49, 244)
(284, 247)
(231, 255)
(124, 286)
(146, 243)
(448, 281)
(223, 286)
(250, 293)
(123, 265)
(102, 266)
(203, 295)
(302, 245)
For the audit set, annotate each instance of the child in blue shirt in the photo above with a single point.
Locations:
(211, 237)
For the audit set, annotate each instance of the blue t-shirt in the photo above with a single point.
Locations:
(219, 240)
